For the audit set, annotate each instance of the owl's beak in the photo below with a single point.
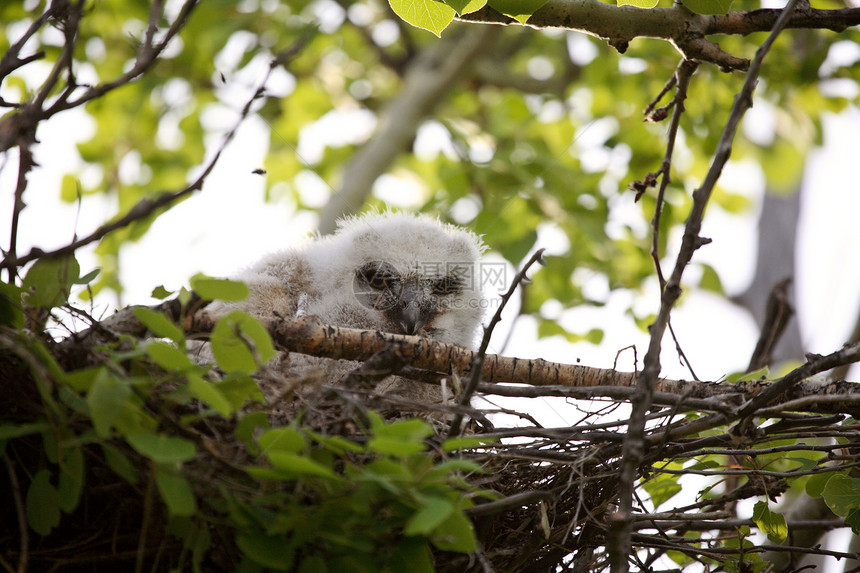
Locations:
(411, 316)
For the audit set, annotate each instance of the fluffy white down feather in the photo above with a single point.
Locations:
(415, 249)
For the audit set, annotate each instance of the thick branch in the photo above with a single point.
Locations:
(307, 335)
(618, 25)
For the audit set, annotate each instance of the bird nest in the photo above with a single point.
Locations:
(537, 513)
(537, 498)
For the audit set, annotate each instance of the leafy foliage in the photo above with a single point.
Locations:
(294, 499)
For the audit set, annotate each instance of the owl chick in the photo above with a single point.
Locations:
(393, 272)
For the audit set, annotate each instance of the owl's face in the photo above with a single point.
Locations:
(401, 273)
(412, 301)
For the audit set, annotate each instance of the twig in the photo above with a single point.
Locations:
(147, 516)
(30, 114)
(681, 78)
(71, 22)
(147, 54)
(478, 359)
(778, 311)
(660, 115)
(23, 528)
(146, 206)
(814, 365)
(25, 164)
(10, 60)
(621, 520)
(510, 502)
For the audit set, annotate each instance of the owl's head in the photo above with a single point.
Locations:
(407, 274)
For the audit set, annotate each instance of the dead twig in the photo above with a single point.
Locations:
(619, 545)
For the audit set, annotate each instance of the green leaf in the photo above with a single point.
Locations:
(133, 420)
(520, 10)
(89, 277)
(425, 14)
(71, 481)
(816, 483)
(769, 522)
(48, 281)
(783, 164)
(239, 341)
(282, 440)
(313, 564)
(262, 474)
(168, 356)
(160, 292)
(82, 380)
(455, 534)
(853, 521)
(70, 188)
(842, 494)
(8, 431)
(805, 464)
(760, 374)
(466, 6)
(248, 425)
(210, 394)
(548, 328)
(268, 551)
(412, 555)
(105, 399)
(465, 443)
(176, 492)
(396, 446)
(434, 511)
(639, 3)
(11, 313)
(159, 324)
(412, 429)
(662, 488)
(704, 6)
(119, 463)
(220, 289)
(299, 466)
(457, 465)
(42, 503)
(238, 389)
(336, 444)
(401, 438)
(51, 445)
(711, 280)
(162, 449)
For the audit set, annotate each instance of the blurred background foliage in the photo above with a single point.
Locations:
(544, 132)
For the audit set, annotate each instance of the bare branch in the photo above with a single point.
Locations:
(619, 548)
(148, 206)
(307, 335)
(477, 363)
(31, 113)
(777, 314)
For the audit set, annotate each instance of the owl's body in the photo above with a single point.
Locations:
(394, 272)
